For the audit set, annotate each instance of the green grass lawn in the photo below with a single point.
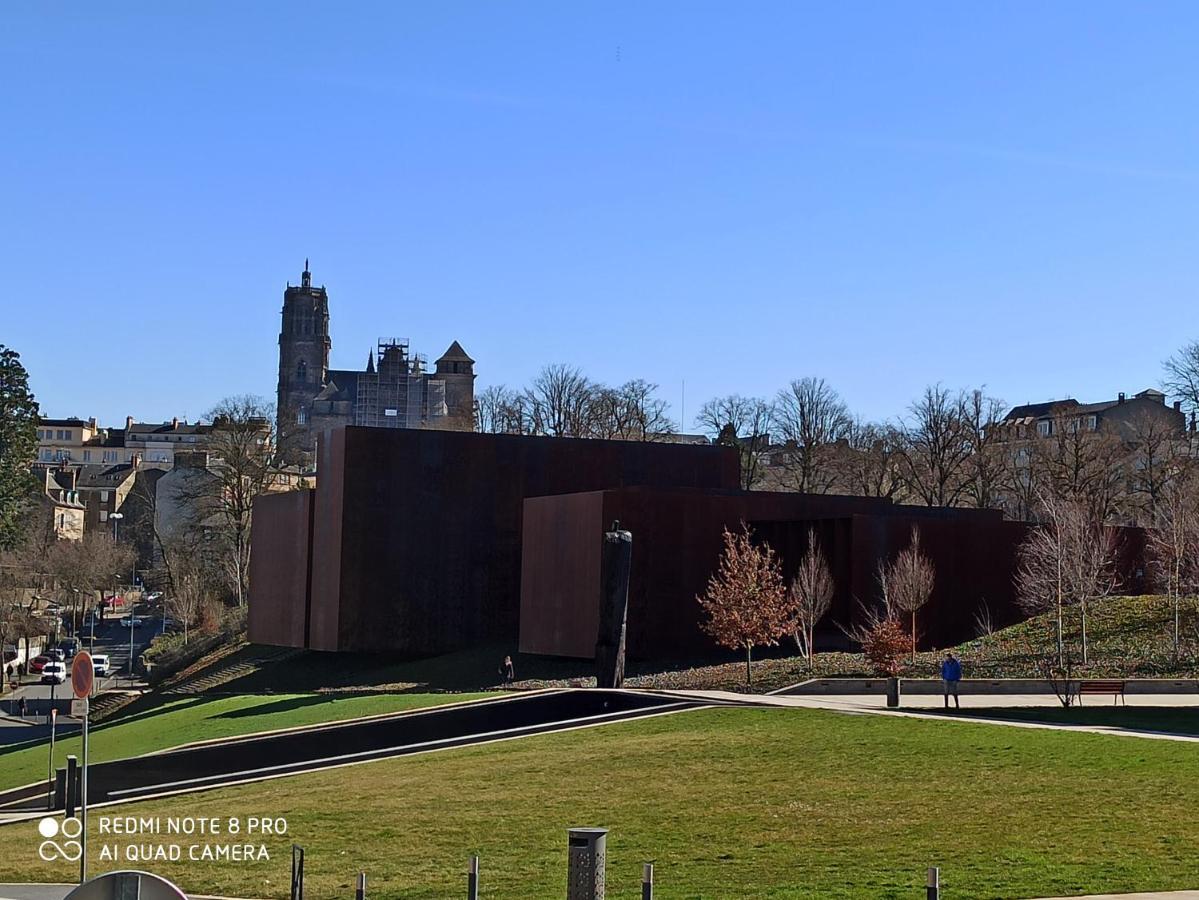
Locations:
(202, 718)
(728, 803)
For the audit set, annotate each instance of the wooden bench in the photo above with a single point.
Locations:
(1116, 688)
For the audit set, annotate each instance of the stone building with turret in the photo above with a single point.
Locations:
(396, 389)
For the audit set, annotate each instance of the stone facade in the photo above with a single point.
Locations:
(394, 390)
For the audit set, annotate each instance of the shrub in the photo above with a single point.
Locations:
(884, 646)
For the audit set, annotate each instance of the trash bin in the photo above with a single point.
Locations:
(586, 860)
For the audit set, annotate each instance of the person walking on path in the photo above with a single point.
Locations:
(951, 674)
(508, 670)
(21, 706)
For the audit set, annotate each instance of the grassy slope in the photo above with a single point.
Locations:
(729, 803)
(204, 718)
(1129, 635)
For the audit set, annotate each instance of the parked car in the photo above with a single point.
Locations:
(36, 664)
(132, 622)
(54, 673)
(154, 595)
(69, 647)
(56, 654)
(100, 664)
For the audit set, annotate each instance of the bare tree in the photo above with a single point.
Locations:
(1156, 457)
(244, 466)
(811, 596)
(631, 412)
(81, 568)
(908, 582)
(809, 418)
(741, 422)
(1173, 545)
(937, 447)
(558, 403)
(867, 461)
(746, 601)
(1067, 560)
(498, 411)
(1182, 376)
(1083, 464)
(984, 466)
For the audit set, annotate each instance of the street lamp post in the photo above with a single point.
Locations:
(115, 518)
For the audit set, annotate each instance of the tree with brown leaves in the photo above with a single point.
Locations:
(811, 595)
(746, 601)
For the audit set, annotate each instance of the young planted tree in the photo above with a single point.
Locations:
(1066, 560)
(746, 601)
(811, 594)
(908, 582)
(1173, 545)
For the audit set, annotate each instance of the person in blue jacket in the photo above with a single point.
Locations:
(951, 674)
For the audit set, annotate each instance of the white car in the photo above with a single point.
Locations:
(156, 595)
(132, 622)
(100, 665)
(54, 673)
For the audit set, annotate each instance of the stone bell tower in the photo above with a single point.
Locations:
(303, 359)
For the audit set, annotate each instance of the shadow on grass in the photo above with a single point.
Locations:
(1164, 719)
(282, 705)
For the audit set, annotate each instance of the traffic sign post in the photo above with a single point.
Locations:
(50, 788)
(83, 677)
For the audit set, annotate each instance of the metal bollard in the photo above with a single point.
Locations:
(72, 786)
(934, 883)
(472, 879)
(360, 894)
(297, 872)
(647, 882)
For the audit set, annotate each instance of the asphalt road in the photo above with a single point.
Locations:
(109, 638)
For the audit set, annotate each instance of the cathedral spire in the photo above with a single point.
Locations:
(370, 362)
(306, 277)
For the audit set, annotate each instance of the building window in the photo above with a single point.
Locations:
(104, 496)
(302, 416)
(87, 455)
(103, 515)
(1092, 423)
(1045, 428)
(302, 371)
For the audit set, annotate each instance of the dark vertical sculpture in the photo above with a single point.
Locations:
(615, 563)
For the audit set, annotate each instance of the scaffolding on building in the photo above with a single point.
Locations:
(393, 396)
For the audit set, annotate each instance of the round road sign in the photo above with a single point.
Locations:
(82, 674)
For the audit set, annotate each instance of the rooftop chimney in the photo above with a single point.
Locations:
(174, 422)
(128, 423)
(1120, 399)
(1177, 406)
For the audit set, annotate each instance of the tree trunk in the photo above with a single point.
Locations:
(748, 672)
(812, 648)
(913, 637)
(1083, 608)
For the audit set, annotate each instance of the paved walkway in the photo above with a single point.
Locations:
(923, 708)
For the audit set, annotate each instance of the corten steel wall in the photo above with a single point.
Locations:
(677, 540)
(279, 569)
(416, 544)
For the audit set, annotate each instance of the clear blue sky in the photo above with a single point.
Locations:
(882, 194)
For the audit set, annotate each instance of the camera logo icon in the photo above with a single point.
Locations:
(67, 846)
